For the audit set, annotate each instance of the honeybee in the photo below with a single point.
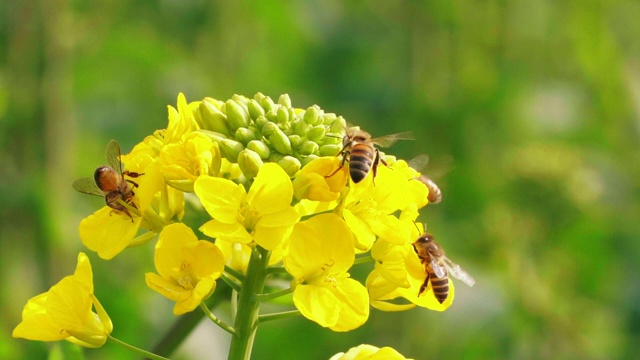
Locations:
(437, 266)
(418, 163)
(358, 148)
(109, 181)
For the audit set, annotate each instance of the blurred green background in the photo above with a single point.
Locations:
(529, 111)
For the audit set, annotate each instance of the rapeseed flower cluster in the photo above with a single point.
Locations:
(269, 177)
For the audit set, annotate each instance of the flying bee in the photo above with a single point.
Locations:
(418, 163)
(437, 266)
(359, 149)
(109, 181)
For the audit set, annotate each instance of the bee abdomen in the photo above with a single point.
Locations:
(440, 288)
(360, 164)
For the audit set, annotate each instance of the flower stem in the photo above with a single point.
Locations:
(274, 295)
(215, 320)
(147, 354)
(363, 259)
(246, 323)
(278, 316)
(231, 282)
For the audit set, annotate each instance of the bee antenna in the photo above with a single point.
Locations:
(417, 227)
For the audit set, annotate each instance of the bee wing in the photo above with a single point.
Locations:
(88, 186)
(388, 140)
(113, 156)
(456, 271)
(437, 269)
(419, 162)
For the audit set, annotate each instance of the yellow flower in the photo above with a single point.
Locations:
(181, 121)
(187, 268)
(368, 209)
(318, 255)
(64, 312)
(108, 232)
(312, 182)
(369, 352)
(182, 162)
(399, 273)
(264, 215)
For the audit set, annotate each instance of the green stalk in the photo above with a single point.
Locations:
(146, 354)
(246, 323)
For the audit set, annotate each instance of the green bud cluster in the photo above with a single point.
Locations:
(253, 131)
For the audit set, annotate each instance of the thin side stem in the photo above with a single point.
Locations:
(278, 316)
(231, 282)
(274, 295)
(239, 276)
(147, 354)
(246, 323)
(363, 260)
(226, 327)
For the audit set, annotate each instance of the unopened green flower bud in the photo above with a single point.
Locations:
(308, 159)
(280, 142)
(255, 110)
(338, 125)
(212, 118)
(269, 128)
(329, 150)
(272, 114)
(301, 127)
(215, 136)
(275, 157)
(230, 149)
(311, 115)
(295, 140)
(308, 148)
(329, 118)
(249, 162)
(290, 165)
(237, 116)
(244, 135)
(282, 114)
(261, 121)
(259, 147)
(331, 138)
(317, 133)
(240, 99)
(285, 100)
(267, 103)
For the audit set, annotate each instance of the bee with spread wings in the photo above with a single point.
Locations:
(109, 181)
(437, 267)
(359, 149)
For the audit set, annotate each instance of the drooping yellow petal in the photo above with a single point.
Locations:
(168, 257)
(271, 230)
(108, 232)
(369, 352)
(314, 183)
(222, 198)
(36, 324)
(271, 191)
(227, 232)
(354, 305)
(164, 286)
(363, 235)
(317, 303)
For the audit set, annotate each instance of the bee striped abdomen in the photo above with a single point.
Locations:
(360, 161)
(107, 179)
(440, 287)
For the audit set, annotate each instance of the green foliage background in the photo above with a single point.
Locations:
(529, 111)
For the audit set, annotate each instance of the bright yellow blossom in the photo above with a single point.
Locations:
(312, 182)
(64, 312)
(368, 209)
(318, 255)
(263, 215)
(108, 232)
(182, 162)
(187, 267)
(369, 352)
(182, 121)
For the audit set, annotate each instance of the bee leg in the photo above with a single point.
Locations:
(135, 184)
(424, 285)
(345, 156)
(374, 166)
(132, 174)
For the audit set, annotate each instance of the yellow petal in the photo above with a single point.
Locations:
(317, 303)
(227, 232)
(272, 230)
(314, 183)
(108, 232)
(221, 198)
(354, 305)
(271, 191)
(168, 256)
(164, 287)
(363, 235)
(203, 290)
(36, 324)
(204, 258)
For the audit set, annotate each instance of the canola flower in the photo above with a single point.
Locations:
(267, 178)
